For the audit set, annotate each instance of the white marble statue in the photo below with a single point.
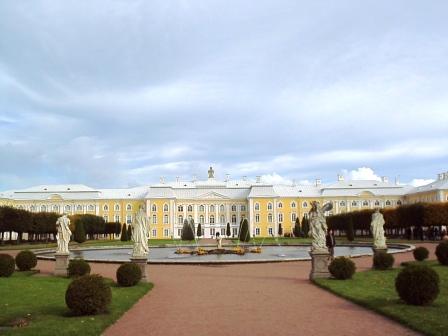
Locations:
(63, 234)
(219, 242)
(318, 226)
(140, 234)
(376, 226)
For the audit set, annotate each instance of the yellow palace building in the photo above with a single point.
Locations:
(215, 203)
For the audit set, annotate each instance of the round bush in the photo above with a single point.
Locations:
(442, 252)
(417, 285)
(78, 267)
(7, 265)
(88, 295)
(421, 253)
(128, 274)
(26, 260)
(342, 268)
(383, 261)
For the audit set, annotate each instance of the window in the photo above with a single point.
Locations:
(180, 208)
(91, 207)
(180, 219)
(293, 204)
(153, 208)
(388, 203)
(166, 233)
(399, 202)
(221, 208)
(43, 208)
(293, 217)
(342, 204)
(234, 207)
(201, 219)
(128, 207)
(106, 218)
(165, 208)
(354, 203)
(190, 218)
(117, 207)
(222, 219)
(257, 218)
(233, 218)
(32, 208)
(257, 207)
(243, 208)
(365, 203)
(212, 219)
(212, 208)
(280, 205)
(257, 231)
(55, 208)
(179, 232)
(270, 218)
(190, 208)
(67, 208)
(106, 207)
(165, 219)
(269, 206)
(280, 218)
(305, 215)
(129, 219)
(154, 232)
(201, 208)
(271, 231)
(304, 205)
(234, 232)
(154, 219)
(117, 218)
(79, 208)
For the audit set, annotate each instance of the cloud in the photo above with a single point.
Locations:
(362, 173)
(420, 182)
(275, 178)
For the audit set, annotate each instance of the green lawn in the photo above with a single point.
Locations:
(376, 290)
(42, 300)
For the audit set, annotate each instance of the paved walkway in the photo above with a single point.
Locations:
(258, 299)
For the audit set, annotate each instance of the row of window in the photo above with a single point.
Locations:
(117, 207)
(270, 217)
(56, 208)
(212, 208)
(305, 204)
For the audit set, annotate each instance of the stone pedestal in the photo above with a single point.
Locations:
(377, 250)
(141, 262)
(61, 264)
(319, 264)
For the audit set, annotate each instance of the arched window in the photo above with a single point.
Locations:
(280, 205)
(233, 218)
(305, 205)
(190, 218)
(117, 218)
(180, 208)
(201, 219)
(354, 203)
(233, 207)
(399, 202)
(270, 218)
(165, 219)
(342, 204)
(154, 208)
(293, 204)
(43, 208)
(190, 208)
(79, 207)
(106, 207)
(91, 207)
(221, 208)
(269, 206)
(106, 218)
(117, 207)
(222, 219)
(365, 203)
(257, 206)
(180, 219)
(212, 219)
(377, 203)
(68, 208)
(201, 208)
(388, 202)
(56, 208)
(212, 208)
(257, 218)
(165, 208)
(243, 208)
(128, 207)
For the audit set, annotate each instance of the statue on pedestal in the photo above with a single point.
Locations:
(140, 234)
(377, 228)
(219, 241)
(318, 225)
(63, 234)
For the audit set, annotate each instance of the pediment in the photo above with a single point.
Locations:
(212, 195)
(55, 197)
(366, 193)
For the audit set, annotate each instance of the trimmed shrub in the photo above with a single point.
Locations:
(26, 260)
(80, 233)
(442, 252)
(417, 285)
(124, 233)
(420, 253)
(7, 265)
(88, 295)
(342, 268)
(78, 267)
(383, 261)
(128, 274)
(244, 234)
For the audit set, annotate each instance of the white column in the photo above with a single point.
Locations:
(172, 215)
(228, 219)
(195, 213)
(275, 218)
(251, 217)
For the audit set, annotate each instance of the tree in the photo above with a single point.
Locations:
(305, 226)
(187, 231)
(228, 233)
(117, 228)
(297, 229)
(350, 231)
(199, 230)
(280, 230)
(129, 232)
(124, 233)
(244, 234)
(80, 233)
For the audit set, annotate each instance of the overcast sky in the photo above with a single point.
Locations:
(119, 93)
